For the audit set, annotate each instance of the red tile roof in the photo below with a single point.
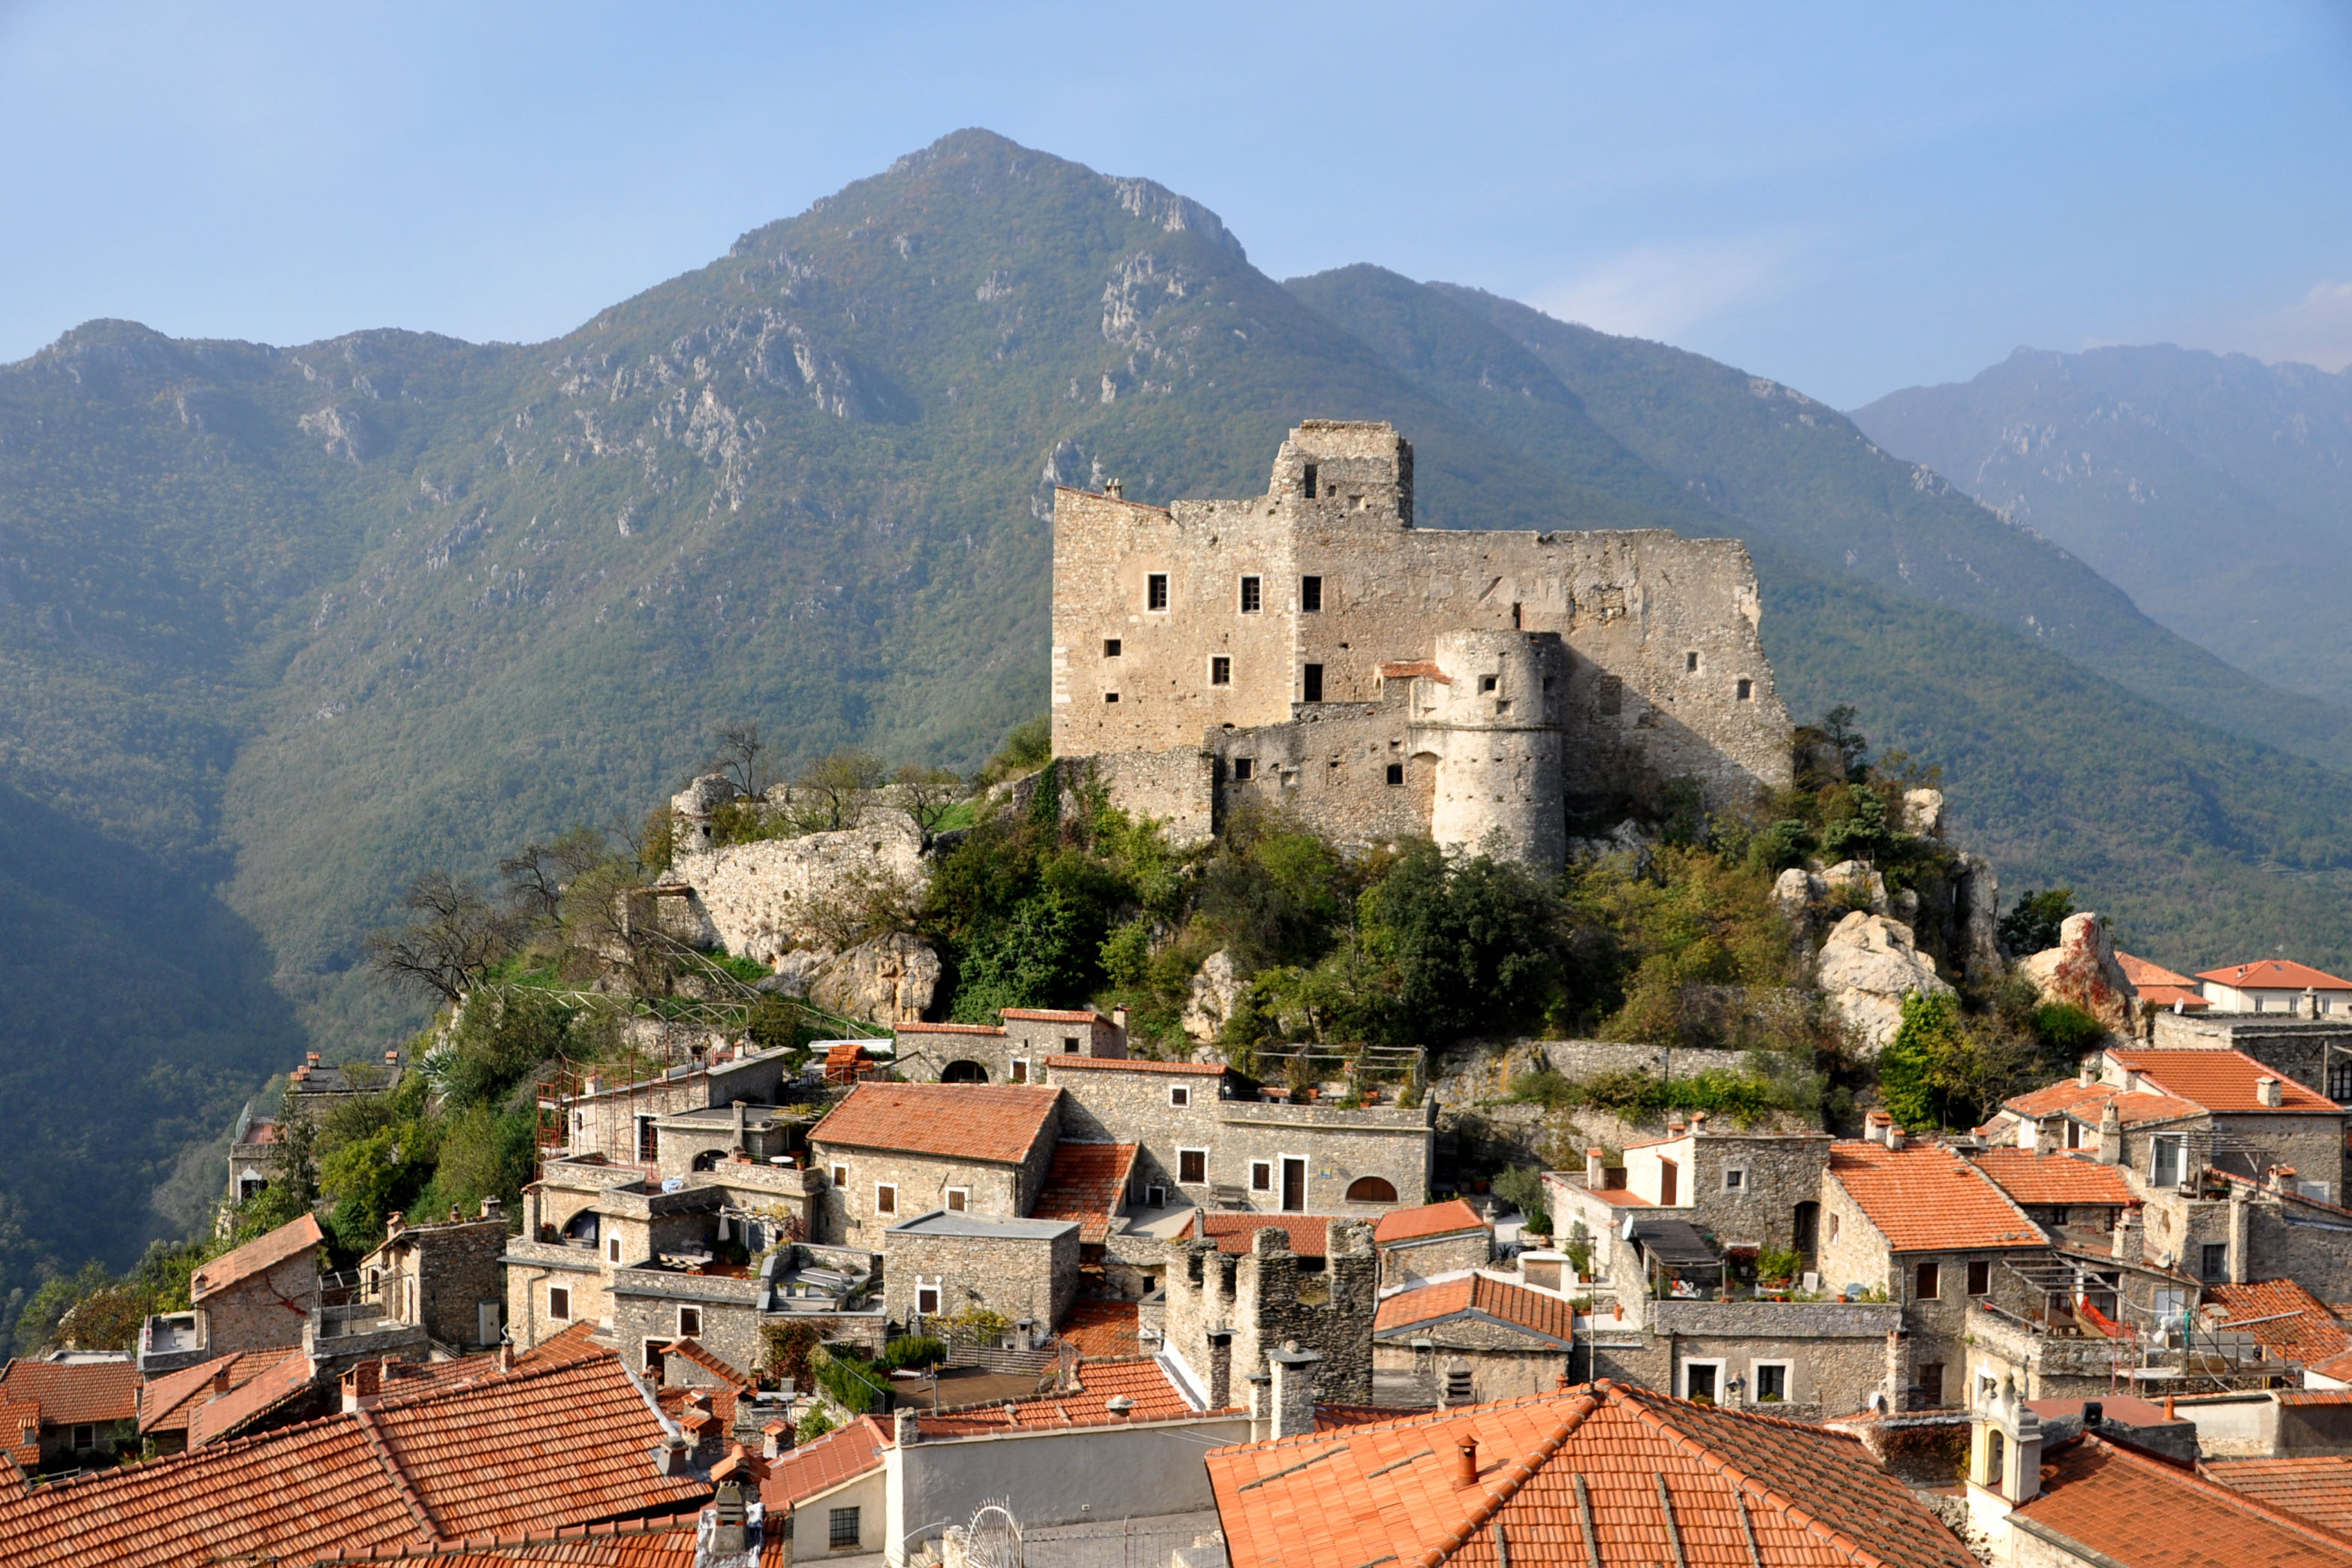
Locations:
(716, 1365)
(920, 1029)
(1136, 1064)
(1386, 1493)
(819, 1467)
(2151, 1514)
(2220, 1080)
(997, 1124)
(1056, 1015)
(2143, 975)
(2165, 997)
(2049, 1177)
(668, 1541)
(2317, 1489)
(537, 1448)
(1407, 669)
(1925, 1198)
(1476, 1297)
(2088, 1102)
(1428, 1219)
(1233, 1232)
(260, 1254)
(1141, 1381)
(1086, 1183)
(285, 1380)
(71, 1392)
(1100, 1330)
(2274, 974)
(166, 1402)
(20, 1433)
(2295, 1325)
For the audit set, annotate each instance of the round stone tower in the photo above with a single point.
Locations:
(1497, 735)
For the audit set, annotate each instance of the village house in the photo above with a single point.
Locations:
(2160, 988)
(445, 1278)
(259, 1297)
(1469, 1337)
(1437, 1239)
(891, 1150)
(2313, 1052)
(835, 1489)
(1009, 1051)
(68, 1410)
(2276, 985)
(943, 1264)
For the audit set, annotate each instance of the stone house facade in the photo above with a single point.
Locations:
(1222, 1312)
(447, 1279)
(1807, 1361)
(1473, 1338)
(890, 1151)
(1747, 1189)
(1010, 1051)
(618, 1121)
(259, 1297)
(1418, 1243)
(2313, 1052)
(940, 1263)
(1312, 647)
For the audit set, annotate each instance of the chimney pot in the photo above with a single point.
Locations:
(506, 1355)
(1466, 1462)
(1698, 1121)
(493, 1207)
(313, 1057)
(2267, 1092)
(394, 1223)
(905, 1429)
(1115, 489)
(362, 1386)
(391, 1059)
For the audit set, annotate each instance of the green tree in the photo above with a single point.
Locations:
(2032, 922)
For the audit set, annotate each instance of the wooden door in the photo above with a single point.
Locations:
(1293, 1186)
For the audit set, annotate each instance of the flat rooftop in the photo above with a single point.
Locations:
(945, 1222)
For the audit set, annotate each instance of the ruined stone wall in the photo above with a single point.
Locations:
(1178, 787)
(762, 900)
(1406, 1262)
(1328, 769)
(1258, 1299)
(1034, 1277)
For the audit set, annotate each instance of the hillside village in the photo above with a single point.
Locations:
(1419, 1059)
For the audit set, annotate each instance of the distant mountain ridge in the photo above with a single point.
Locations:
(2214, 488)
(289, 626)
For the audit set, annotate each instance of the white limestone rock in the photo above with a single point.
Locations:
(1854, 883)
(1216, 991)
(1797, 892)
(795, 972)
(2082, 970)
(1923, 812)
(890, 980)
(1868, 964)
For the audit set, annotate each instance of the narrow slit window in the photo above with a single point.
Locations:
(1221, 671)
(1253, 595)
(1155, 590)
(1314, 683)
(1396, 772)
(1110, 647)
(1690, 663)
(1308, 485)
(1515, 616)
(1110, 696)
(1487, 682)
(1746, 690)
(1310, 596)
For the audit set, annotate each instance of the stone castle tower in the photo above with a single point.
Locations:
(1312, 648)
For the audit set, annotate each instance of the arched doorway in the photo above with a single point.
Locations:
(963, 1072)
(1372, 1190)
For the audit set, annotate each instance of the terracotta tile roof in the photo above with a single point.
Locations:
(1056, 1015)
(2049, 1177)
(999, 1123)
(2313, 1395)
(1385, 1493)
(1086, 1183)
(2220, 1080)
(1233, 1232)
(1620, 1197)
(1140, 1380)
(2151, 1514)
(682, 1405)
(2317, 1489)
(263, 1252)
(1428, 1219)
(20, 1433)
(1406, 669)
(1136, 1064)
(2088, 1102)
(2274, 974)
(1100, 1330)
(285, 1380)
(2165, 997)
(668, 1541)
(1925, 1198)
(536, 1448)
(920, 1029)
(71, 1392)
(166, 1402)
(824, 1464)
(2311, 1333)
(2143, 975)
(1338, 1417)
(1476, 1295)
(709, 1361)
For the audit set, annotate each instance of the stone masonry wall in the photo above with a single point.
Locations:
(764, 899)
(533, 1269)
(446, 1271)
(1405, 1261)
(266, 1310)
(1016, 1277)
(730, 1317)
(1257, 1299)
(847, 1215)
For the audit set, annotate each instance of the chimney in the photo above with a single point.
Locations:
(1674, 1124)
(2281, 1179)
(493, 1209)
(904, 1428)
(391, 1059)
(220, 1376)
(1115, 489)
(362, 1386)
(1260, 1406)
(670, 1456)
(2130, 1238)
(1119, 1018)
(394, 1223)
(1697, 1122)
(2089, 1075)
(1221, 1367)
(1293, 1389)
(313, 1058)
(1466, 1461)
(2267, 1092)
(776, 1438)
(2111, 1135)
(731, 1531)
(1893, 1136)
(1875, 1126)
(506, 1353)
(1596, 1169)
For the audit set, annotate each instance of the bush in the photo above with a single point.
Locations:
(791, 1347)
(913, 1351)
(813, 1424)
(2032, 924)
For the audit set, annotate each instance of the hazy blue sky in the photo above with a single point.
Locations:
(1846, 199)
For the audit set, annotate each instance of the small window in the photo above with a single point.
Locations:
(1191, 1166)
(1253, 595)
(1110, 696)
(2214, 1261)
(1155, 1196)
(1155, 590)
(841, 1176)
(927, 1300)
(1690, 664)
(1931, 1382)
(1980, 1279)
(1396, 772)
(1734, 1180)
(1771, 1382)
(1929, 1281)
(1020, 1070)
(2164, 1159)
(1745, 690)
(579, 1122)
(1487, 682)
(1314, 683)
(85, 1435)
(1110, 647)
(841, 1527)
(1260, 1175)
(1310, 596)
(1069, 1044)
(1245, 769)
(886, 1198)
(614, 1252)
(1221, 671)
(1180, 1095)
(689, 1323)
(559, 1304)
(1307, 481)
(958, 1199)
(2339, 1080)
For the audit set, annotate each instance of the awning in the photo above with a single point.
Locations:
(1676, 1243)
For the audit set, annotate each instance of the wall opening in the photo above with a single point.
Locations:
(1253, 595)
(1746, 689)
(1313, 683)
(1372, 1190)
(1110, 647)
(1245, 768)
(1155, 590)
(963, 1072)
(1221, 671)
(1307, 482)
(1310, 594)
(1396, 772)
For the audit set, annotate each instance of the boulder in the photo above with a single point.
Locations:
(1853, 884)
(1797, 892)
(1977, 899)
(1626, 840)
(1868, 964)
(2082, 970)
(890, 980)
(823, 890)
(795, 972)
(1216, 991)
(1923, 812)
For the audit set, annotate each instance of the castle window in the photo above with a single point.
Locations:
(1155, 590)
(1110, 647)
(1221, 671)
(1314, 682)
(1515, 616)
(1243, 768)
(1253, 595)
(1690, 663)
(1309, 483)
(1110, 696)
(1396, 772)
(1746, 689)
(1612, 694)
(1487, 682)
(1310, 594)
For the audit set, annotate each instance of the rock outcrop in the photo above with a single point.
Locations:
(1216, 991)
(1868, 964)
(762, 900)
(890, 980)
(1977, 900)
(2082, 971)
(1923, 812)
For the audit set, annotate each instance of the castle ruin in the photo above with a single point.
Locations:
(1312, 648)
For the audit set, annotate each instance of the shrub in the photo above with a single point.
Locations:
(913, 1351)
(790, 1348)
(2032, 922)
